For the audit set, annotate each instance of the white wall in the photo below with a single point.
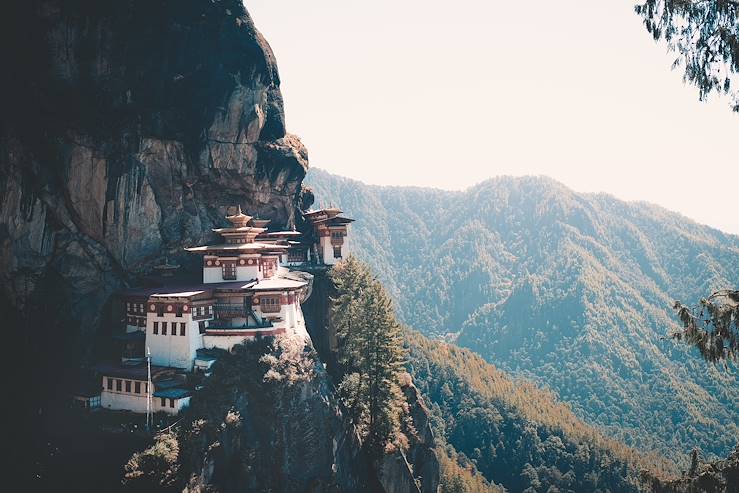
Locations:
(130, 401)
(123, 401)
(173, 350)
(244, 271)
(179, 405)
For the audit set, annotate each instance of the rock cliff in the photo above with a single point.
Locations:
(127, 128)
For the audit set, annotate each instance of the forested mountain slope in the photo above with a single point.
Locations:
(515, 434)
(572, 290)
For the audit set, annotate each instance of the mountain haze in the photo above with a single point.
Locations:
(571, 290)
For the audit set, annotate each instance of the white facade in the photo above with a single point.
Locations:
(327, 252)
(169, 405)
(167, 344)
(119, 394)
(125, 399)
(248, 267)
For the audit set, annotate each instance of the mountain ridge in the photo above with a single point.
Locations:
(571, 290)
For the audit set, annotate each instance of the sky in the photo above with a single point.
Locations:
(448, 94)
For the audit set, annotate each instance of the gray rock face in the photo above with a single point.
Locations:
(128, 128)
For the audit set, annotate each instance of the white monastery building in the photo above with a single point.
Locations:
(248, 290)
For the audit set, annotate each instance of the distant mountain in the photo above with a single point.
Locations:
(571, 290)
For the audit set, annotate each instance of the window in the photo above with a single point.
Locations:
(171, 403)
(210, 310)
(269, 305)
(182, 328)
(128, 386)
(178, 311)
(229, 271)
(137, 387)
(337, 252)
(163, 401)
(110, 383)
(201, 327)
(160, 310)
(119, 385)
(164, 328)
(156, 327)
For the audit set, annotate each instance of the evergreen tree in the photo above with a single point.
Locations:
(372, 354)
(704, 34)
(713, 328)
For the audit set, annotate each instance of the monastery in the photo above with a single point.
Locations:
(251, 287)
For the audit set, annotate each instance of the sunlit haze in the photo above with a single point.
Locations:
(447, 94)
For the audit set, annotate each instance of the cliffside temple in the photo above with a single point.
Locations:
(251, 287)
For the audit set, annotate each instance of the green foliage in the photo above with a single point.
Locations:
(570, 290)
(720, 476)
(515, 433)
(704, 34)
(458, 475)
(370, 347)
(157, 467)
(714, 328)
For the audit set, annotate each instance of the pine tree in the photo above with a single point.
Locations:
(371, 352)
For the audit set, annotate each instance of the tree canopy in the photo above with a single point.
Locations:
(704, 35)
(371, 352)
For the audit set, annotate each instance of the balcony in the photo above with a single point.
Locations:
(231, 310)
(222, 325)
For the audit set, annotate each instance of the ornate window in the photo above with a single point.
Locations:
(229, 271)
(269, 304)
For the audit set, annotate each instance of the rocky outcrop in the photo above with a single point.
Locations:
(127, 129)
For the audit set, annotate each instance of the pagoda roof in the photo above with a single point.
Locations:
(329, 211)
(172, 290)
(275, 284)
(177, 294)
(239, 216)
(239, 229)
(277, 234)
(235, 247)
(334, 221)
(260, 223)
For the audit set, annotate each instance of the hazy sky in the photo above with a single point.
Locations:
(447, 94)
